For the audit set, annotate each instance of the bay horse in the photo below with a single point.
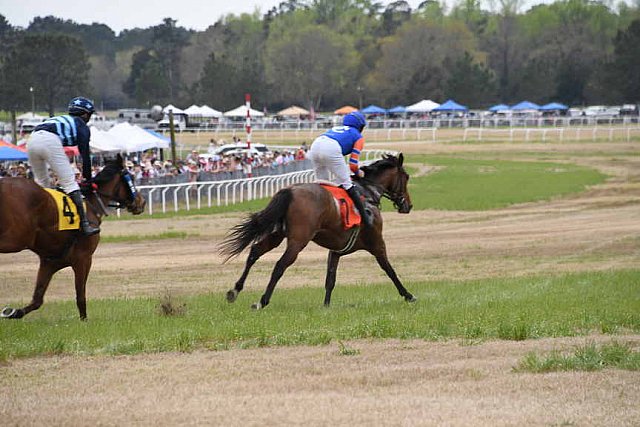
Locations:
(29, 220)
(307, 212)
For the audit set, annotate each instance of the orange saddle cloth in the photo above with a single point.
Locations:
(348, 212)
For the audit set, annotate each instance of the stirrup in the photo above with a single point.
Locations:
(87, 229)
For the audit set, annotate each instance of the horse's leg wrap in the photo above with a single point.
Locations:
(12, 313)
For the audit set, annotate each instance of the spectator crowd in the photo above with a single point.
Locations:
(149, 168)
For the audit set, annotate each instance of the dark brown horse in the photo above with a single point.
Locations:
(307, 212)
(28, 220)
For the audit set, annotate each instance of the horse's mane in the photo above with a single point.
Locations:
(388, 161)
(111, 168)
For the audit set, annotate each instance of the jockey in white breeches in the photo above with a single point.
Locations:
(45, 149)
(327, 154)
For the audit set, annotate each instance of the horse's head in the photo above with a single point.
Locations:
(115, 183)
(389, 174)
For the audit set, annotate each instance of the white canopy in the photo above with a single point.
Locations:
(31, 117)
(176, 110)
(424, 106)
(241, 111)
(136, 138)
(207, 111)
(194, 110)
(104, 141)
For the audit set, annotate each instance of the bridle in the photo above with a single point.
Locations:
(396, 194)
(115, 201)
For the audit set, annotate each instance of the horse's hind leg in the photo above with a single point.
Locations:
(383, 262)
(81, 271)
(45, 272)
(257, 250)
(330, 281)
(288, 258)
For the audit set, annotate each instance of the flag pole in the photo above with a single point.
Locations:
(247, 101)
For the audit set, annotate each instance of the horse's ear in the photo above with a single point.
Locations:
(400, 159)
(119, 159)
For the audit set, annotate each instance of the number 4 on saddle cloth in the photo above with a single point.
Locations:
(348, 212)
(68, 218)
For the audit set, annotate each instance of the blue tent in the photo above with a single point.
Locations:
(450, 105)
(373, 109)
(525, 105)
(554, 106)
(158, 135)
(499, 107)
(8, 153)
(397, 109)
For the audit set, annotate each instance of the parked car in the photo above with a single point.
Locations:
(258, 150)
(629, 110)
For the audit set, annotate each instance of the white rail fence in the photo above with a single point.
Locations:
(554, 134)
(448, 134)
(196, 195)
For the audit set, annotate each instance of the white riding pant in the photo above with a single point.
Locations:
(45, 150)
(326, 156)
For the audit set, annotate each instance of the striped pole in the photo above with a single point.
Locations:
(247, 102)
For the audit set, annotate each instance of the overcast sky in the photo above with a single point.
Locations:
(128, 14)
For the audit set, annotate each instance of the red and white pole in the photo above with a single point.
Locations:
(247, 102)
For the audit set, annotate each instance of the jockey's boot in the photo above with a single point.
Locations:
(367, 217)
(86, 228)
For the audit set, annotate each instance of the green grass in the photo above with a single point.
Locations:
(146, 237)
(462, 184)
(589, 357)
(468, 184)
(506, 308)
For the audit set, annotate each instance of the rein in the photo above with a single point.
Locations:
(116, 202)
(377, 192)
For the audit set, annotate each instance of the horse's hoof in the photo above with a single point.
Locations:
(410, 299)
(256, 306)
(232, 295)
(11, 313)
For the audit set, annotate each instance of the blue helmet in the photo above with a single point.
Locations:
(355, 120)
(80, 105)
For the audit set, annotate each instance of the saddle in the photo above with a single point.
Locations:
(68, 218)
(348, 212)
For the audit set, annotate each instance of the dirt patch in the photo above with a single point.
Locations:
(391, 383)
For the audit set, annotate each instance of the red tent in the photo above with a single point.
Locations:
(6, 144)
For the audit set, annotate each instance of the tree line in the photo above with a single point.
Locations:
(327, 53)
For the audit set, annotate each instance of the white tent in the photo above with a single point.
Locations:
(193, 111)
(241, 111)
(31, 117)
(176, 110)
(207, 111)
(105, 142)
(136, 138)
(424, 106)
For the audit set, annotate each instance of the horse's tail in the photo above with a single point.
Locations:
(257, 225)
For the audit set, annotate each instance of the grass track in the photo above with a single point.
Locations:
(512, 309)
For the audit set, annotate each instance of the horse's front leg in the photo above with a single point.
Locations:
(330, 281)
(383, 262)
(256, 251)
(46, 270)
(81, 271)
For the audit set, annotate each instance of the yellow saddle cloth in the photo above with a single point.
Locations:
(68, 218)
